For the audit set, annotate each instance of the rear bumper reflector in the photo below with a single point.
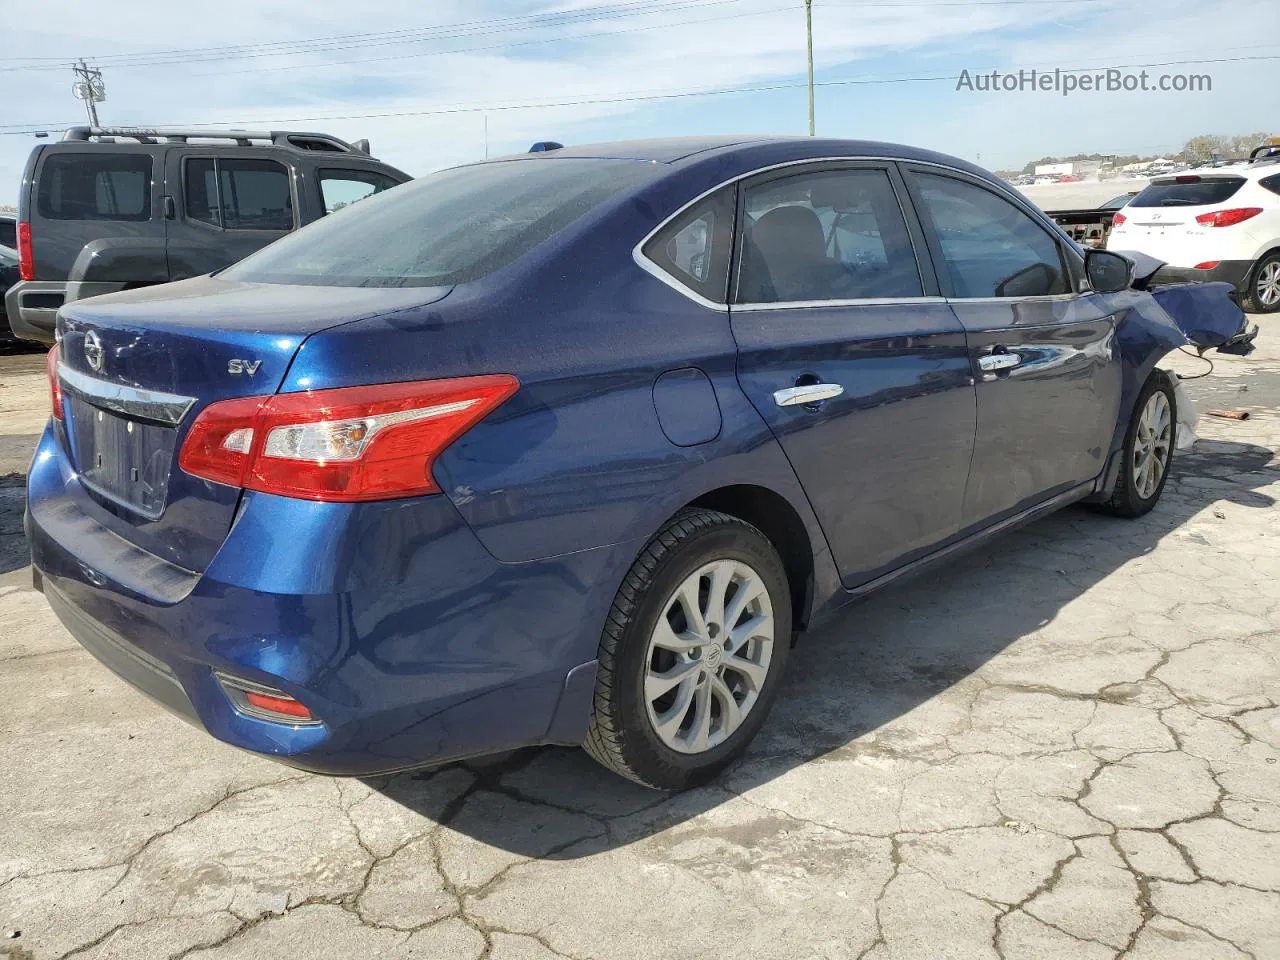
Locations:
(265, 703)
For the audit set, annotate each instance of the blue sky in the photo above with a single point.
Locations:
(434, 66)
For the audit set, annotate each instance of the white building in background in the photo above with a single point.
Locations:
(1071, 168)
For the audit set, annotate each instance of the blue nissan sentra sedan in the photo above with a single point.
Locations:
(568, 448)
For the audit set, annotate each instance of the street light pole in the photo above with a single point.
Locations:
(808, 27)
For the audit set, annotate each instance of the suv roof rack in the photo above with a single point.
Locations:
(297, 139)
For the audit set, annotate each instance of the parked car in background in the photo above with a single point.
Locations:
(109, 209)
(8, 277)
(1223, 225)
(567, 448)
(1091, 226)
(9, 231)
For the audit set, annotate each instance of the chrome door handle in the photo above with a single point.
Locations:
(809, 393)
(998, 361)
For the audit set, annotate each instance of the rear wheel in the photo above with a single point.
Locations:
(1148, 449)
(692, 652)
(1264, 285)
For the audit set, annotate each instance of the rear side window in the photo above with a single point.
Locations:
(1271, 183)
(694, 248)
(1188, 192)
(95, 186)
(830, 235)
(451, 227)
(341, 188)
(239, 194)
(8, 234)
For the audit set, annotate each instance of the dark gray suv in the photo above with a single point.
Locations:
(107, 209)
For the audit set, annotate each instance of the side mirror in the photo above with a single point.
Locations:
(1108, 272)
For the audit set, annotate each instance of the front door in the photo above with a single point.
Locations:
(225, 206)
(1044, 356)
(859, 368)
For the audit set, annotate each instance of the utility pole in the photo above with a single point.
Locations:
(89, 88)
(808, 27)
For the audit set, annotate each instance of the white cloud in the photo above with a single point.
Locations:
(737, 42)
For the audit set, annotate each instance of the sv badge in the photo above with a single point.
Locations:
(237, 367)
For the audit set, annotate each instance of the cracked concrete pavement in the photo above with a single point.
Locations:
(1066, 745)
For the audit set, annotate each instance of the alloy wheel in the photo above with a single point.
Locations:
(1152, 444)
(709, 656)
(1267, 287)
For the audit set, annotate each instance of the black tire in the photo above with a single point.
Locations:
(1125, 500)
(620, 735)
(1251, 301)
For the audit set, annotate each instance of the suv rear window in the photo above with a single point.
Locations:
(1189, 192)
(95, 186)
(451, 227)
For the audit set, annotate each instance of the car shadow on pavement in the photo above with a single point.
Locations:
(881, 662)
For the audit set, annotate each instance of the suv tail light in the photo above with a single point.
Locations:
(1228, 218)
(26, 262)
(1118, 219)
(348, 444)
(55, 387)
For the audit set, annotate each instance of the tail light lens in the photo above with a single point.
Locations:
(1118, 219)
(55, 387)
(349, 444)
(1208, 265)
(1228, 218)
(26, 262)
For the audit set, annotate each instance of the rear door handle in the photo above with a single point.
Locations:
(809, 393)
(998, 361)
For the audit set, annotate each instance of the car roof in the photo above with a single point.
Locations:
(764, 149)
(662, 150)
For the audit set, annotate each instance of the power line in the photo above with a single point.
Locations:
(469, 28)
(677, 95)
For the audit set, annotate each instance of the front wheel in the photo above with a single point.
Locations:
(691, 653)
(1148, 449)
(1264, 285)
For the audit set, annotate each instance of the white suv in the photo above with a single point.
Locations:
(1221, 224)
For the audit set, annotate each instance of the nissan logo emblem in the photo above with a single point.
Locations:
(93, 351)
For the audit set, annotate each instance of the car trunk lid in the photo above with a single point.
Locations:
(136, 370)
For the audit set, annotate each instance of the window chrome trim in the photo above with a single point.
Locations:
(812, 304)
(166, 408)
(655, 271)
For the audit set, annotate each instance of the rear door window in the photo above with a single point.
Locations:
(95, 186)
(1188, 191)
(829, 235)
(238, 193)
(341, 188)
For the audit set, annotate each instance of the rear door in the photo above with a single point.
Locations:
(858, 366)
(1161, 220)
(1044, 356)
(226, 206)
(86, 192)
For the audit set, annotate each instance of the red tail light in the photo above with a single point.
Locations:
(1118, 219)
(1228, 218)
(349, 444)
(1208, 265)
(55, 388)
(26, 263)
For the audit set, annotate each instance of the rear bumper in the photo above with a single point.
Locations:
(32, 305)
(389, 621)
(1234, 272)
